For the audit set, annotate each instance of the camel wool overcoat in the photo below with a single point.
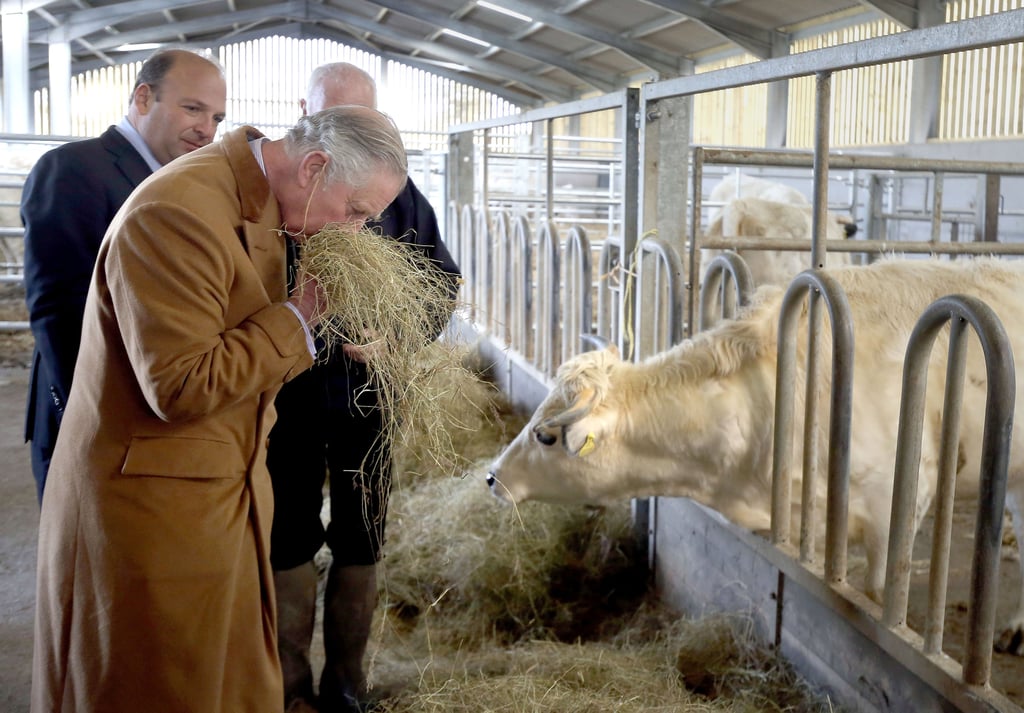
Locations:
(155, 591)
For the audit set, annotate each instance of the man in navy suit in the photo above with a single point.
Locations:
(327, 420)
(69, 199)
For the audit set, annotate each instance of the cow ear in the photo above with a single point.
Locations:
(589, 434)
(580, 440)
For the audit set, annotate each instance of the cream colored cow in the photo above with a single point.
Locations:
(697, 420)
(754, 207)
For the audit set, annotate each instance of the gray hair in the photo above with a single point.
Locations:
(360, 141)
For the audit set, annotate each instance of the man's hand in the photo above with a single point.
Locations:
(309, 299)
(372, 346)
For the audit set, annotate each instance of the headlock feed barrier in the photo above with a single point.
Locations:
(527, 293)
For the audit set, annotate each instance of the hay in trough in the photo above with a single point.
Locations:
(390, 299)
(547, 608)
(636, 671)
(499, 574)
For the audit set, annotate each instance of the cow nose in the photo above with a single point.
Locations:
(490, 480)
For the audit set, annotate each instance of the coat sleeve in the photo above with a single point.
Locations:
(198, 327)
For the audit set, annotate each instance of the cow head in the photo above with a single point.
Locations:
(569, 448)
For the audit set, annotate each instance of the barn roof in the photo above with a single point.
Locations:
(528, 51)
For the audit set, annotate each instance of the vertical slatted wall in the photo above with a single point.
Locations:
(267, 77)
(982, 89)
(869, 104)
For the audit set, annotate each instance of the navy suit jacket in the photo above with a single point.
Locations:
(69, 199)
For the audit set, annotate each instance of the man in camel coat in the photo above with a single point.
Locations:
(155, 591)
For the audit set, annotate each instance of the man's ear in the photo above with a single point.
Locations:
(312, 167)
(143, 98)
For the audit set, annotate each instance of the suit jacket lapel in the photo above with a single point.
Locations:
(126, 158)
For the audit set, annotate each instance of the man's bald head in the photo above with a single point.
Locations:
(338, 83)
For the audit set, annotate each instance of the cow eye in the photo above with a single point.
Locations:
(545, 439)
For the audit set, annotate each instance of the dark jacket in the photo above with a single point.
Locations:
(69, 199)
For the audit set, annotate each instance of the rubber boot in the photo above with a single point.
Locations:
(296, 614)
(349, 603)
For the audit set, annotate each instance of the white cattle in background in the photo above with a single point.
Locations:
(697, 420)
(754, 207)
(740, 185)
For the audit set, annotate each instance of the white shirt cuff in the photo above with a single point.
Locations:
(305, 328)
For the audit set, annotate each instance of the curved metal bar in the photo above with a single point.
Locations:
(589, 342)
(483, 267)
(668, 280)
(548, 312)
(520, 271)
(578, 298)
(609, 294)
(999, 405)
(453, 234)
(501, 300)
(466, 255)
(816, 284)
(724, 270)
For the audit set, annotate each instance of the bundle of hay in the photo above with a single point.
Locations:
(392, 300)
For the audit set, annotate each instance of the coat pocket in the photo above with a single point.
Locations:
(182, 457)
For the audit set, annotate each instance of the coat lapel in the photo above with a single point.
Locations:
(264, 243)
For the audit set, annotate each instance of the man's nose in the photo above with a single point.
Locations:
(206, 127)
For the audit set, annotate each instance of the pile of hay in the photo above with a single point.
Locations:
(547, 608)
(637, 671)
(492, 574)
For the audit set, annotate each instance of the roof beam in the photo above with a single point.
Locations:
(904, 13)
(513, 95)
(663, 63)
(205, 25)
(751, 38)
(441, 20)
(301, 30)
(543, 87)
(83, 22)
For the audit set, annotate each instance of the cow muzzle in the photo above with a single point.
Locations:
(497, 489)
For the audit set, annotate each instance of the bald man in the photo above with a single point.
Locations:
(328, 422)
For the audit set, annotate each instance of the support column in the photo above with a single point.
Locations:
(17, 105)
(777, 108)
(60, 89)
(926, 82)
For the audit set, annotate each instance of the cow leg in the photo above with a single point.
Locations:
(1011, 638)
(875, 548)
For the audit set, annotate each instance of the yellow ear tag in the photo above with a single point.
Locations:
(588, 446)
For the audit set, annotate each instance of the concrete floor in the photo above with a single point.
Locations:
(18, 526)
